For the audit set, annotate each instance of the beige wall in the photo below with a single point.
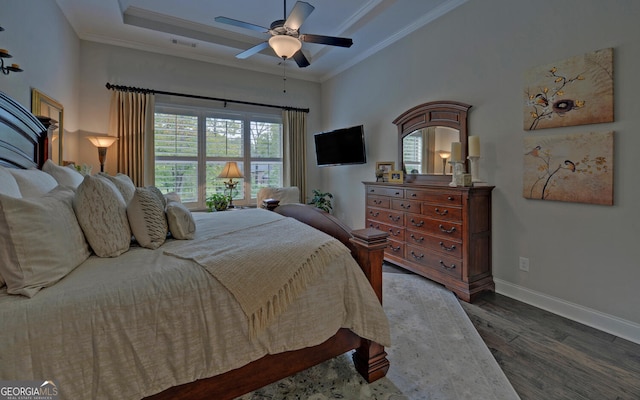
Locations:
(583, 260)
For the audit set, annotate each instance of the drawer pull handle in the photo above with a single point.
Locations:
(445, 212)
(396, 218)
(394, 249)
(419, 240)
(374, 214)
(452, 248)
(406, 207)
(450, 198)
(445, 266)
(374, 226)
(418, 224)
(414, 195)
(396, 233)
(372, 190)
(453, 229)
(417, 256)
(377, 201)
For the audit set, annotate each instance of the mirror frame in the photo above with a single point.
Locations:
(40, 101)
(451, 114)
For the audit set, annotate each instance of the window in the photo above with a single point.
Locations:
(192, 145)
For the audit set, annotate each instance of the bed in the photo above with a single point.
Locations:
(165, 323)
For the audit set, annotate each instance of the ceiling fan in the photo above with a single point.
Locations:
(286, 39)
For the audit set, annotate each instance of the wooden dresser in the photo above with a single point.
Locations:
(437, 231)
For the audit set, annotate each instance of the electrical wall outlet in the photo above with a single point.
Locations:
(524, 264)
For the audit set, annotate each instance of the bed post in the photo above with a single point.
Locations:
(370, 359)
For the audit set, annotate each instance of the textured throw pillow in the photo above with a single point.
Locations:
(33, 182)
(172, 196)
(63, 175)
(159, 195)
(181, 223)
(102, 214)
(123, 183)
(8, 185)
(147, 218)
(40, 240)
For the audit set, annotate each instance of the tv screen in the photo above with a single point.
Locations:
(341, 146)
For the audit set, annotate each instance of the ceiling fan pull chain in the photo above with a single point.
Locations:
(284, 75)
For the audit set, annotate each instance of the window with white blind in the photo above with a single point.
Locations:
(192, 145)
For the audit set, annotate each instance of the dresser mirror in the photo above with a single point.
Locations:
(425, 134)
(46, 108)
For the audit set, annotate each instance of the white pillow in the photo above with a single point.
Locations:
(172, 196)
(147, 218)
(181, 223)
(63, 175)
(8, 186)
(102, 214)
(40, 240)
(123, 183)
(33, 182)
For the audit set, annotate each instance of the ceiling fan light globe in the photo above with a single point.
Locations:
(285, 46)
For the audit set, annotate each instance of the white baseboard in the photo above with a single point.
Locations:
(608, 323)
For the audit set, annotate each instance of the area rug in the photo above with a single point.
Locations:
(436, 354)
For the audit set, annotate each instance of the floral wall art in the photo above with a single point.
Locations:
(575, 168)
(575, 91)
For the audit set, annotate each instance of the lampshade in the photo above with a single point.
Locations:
(285, 46)
(231, 170)
(102, 141)
(444, 154)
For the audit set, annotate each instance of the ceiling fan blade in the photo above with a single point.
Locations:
(330, 40)
(298, 14)
(301, 60)
(241, 24)
(254, 50)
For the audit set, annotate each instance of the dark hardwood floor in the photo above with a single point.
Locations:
(546, 356)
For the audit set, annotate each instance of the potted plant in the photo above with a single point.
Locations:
(217, 201)
(322, 200)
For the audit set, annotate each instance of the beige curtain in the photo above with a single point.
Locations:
(131, 120)
(295, 150)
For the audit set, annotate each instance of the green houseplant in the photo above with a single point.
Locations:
(217, 201)
(322, 200)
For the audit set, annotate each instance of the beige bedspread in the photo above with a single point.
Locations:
(131, 326)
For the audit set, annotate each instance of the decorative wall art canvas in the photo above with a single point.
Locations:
(576, 168)
(575, 91)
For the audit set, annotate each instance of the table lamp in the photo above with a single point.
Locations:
(230, 171)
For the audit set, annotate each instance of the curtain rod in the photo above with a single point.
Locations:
(194, 96)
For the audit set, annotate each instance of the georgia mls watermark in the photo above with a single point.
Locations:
(28, 390)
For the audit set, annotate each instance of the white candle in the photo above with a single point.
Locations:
(456, 152)
(474, 146)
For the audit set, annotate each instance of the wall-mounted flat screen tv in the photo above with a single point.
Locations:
(341, 146)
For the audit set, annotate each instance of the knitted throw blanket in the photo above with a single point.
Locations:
(265, 267)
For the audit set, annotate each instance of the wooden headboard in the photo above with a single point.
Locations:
(23, 139)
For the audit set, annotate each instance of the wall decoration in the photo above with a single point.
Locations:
(575, 91)
(574, 167)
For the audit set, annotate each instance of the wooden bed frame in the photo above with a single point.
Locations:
(24, 143)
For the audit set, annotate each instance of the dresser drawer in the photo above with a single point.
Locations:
(385, 216)
(435, 197)
(445, 212)
(395, 248)
(395, 232)
(380, 202)
(385, 191)
(448, 265)
(447, 229)
(451, 248)
(413, 206)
